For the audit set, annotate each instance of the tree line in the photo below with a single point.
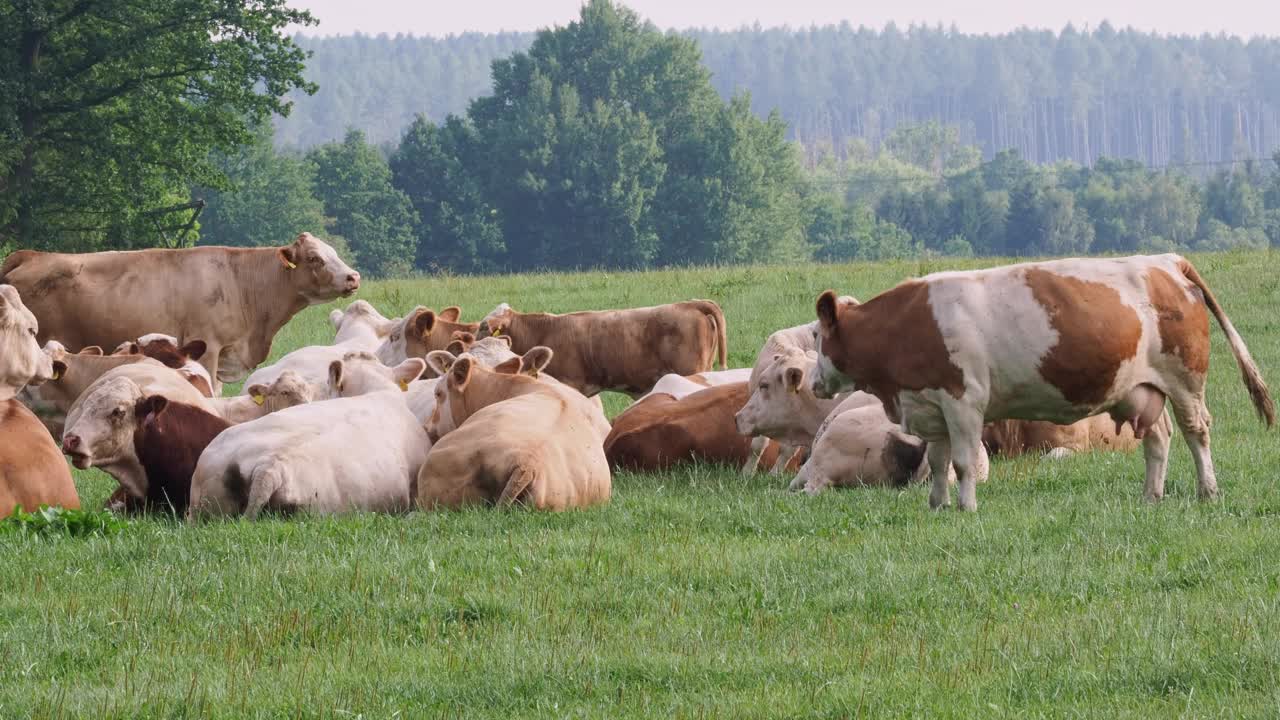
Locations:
(1069, 95)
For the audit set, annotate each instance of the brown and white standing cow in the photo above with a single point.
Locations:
(235, 299)
(1057, 341)
(623, 350)
(32, 471)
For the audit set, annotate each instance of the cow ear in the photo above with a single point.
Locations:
(506, 339)
(464, 337)
(509, 367)
(794, 379)
(288, 256)
(536, 359)
(827, 311)
(441, 360)
(424, 323)
(59, 369)
(258, 392)
(91, 350)
(195, 349)
(150, 408)
(460, 373)
(336, 371)
(408, 371)
(451, 313)
(132, 349)
(335, 319)
(496, 326)
(455, 348)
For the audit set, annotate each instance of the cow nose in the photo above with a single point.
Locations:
(354, 279)
(71, 442)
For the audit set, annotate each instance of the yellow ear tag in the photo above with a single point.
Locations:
(259, 399)
(291, 266)
(56, 374)
(497, 331)
(795, 389)
(404, 386)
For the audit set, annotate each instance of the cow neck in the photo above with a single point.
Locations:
(270, 299)
(528, 330)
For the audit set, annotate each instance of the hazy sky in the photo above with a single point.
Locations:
(443, 17)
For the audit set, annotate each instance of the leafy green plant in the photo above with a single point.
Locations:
(49, 521)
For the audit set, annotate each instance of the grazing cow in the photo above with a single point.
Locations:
(100, 424)
(73, 373)
(235, 299)
(516, 440)
(661, 431)
(1056, 341)
(678, 386)
(165, 349)
(360, 450)
(423, 331)
(32, 471)
(1099, 432)
(360, 328)
(623, 350)
(861, 446)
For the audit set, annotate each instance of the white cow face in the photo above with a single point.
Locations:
(288, 390)
(779, 394)
(316, 270)
(21, 360)
(360, 373)
(99, 429)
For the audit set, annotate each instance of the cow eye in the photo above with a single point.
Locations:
(315, 260)
(32, 331)
(117, 414)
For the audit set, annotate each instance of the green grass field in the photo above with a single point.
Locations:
(696, 593)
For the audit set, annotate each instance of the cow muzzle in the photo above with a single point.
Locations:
(74, 448)
(352, 284)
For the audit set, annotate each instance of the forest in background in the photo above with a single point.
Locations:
(1066, 95)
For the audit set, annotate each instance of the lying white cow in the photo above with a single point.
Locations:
(678, 386)
(801, 339)
(99, 427)
(359, 328)
(861, 446)
(359, 451)
(288, 390)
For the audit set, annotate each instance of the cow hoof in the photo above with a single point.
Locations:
(935, 504)
(1208, 495)
(1152, 498)
(796, 485)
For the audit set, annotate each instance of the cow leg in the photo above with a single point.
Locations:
(1194, 421)
(1155, 448)
(210, 362)
(785, 453)
(940, 467)
(752, 465)
(964, 426)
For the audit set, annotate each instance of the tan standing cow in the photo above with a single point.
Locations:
(623, 350)
(1058, 341)
(234, 299)
(505, 438)
(32, 471)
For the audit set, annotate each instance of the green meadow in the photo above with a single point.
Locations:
(696, 593)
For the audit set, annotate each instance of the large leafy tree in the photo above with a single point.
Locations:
(109, 108)
(268, 201)
(377, 220)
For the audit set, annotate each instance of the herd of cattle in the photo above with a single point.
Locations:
(921, 381)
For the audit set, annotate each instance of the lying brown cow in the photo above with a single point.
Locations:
(623, 350)
(168, 438)
(517, 441)
(661, 431)
(32, 471)
(1059, 341)
(1018, 437)
(235, 299)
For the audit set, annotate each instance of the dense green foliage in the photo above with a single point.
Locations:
(695, 592)
(55, 522)
(1051, 96)
(109, 109)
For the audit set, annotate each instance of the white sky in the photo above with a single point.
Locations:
(445, 17)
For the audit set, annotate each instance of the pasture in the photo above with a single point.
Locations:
(694, 593)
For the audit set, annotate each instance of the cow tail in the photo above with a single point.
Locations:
(521, 480)
(1253, 381)
(712, 310)
(265, 481)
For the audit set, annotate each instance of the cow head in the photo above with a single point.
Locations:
(497, 322)
(99, 428)
(780, 394)
(21, 360)
(829, 380)
(469, 386)
(288, 390)
(421, 332)
(360, 320)
(315, 270)
(360, 373)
